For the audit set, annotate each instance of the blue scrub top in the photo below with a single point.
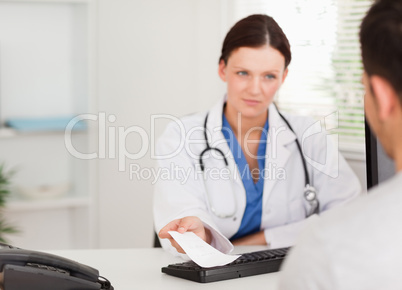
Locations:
(251, 221)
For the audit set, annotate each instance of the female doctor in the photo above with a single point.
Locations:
(242, 173)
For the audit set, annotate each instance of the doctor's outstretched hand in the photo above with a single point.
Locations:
(186, 224)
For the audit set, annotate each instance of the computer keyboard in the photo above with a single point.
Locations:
(248, 264)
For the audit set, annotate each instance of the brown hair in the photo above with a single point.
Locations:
(381, 42)
(255, 31)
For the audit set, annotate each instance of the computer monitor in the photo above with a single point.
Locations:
(379, 167)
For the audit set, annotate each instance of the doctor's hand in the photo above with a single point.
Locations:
(186, 224)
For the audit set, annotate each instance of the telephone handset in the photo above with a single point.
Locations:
(24, 269)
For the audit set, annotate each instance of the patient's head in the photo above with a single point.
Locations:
(381, 42)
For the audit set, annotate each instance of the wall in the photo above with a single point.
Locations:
(154, 57)
(358, 165)
(43, 72)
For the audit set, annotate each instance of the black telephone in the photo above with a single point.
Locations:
(22, 269)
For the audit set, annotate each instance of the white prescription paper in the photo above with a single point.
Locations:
(201, 252)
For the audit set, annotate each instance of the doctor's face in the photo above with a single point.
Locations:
(253, 76)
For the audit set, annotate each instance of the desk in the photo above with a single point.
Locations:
(129, 269)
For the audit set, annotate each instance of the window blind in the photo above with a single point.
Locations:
(324, 77)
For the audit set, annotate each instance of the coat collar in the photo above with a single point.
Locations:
(277, 150)
(279, 132)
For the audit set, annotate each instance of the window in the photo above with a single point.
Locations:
(325, 73)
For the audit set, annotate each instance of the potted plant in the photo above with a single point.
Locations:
(5, 228)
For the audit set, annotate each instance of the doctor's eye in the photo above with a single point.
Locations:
(242, 73)
(270, 76)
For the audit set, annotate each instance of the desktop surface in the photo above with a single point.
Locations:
(140, 268)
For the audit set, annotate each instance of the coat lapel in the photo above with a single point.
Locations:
(216, 139)
(277, 154)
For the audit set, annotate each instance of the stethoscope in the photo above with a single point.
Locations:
(310, 194)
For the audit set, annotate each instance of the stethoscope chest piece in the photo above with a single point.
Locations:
(310, 195)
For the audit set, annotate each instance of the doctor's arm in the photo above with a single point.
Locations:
(251, 240)
(179, 199)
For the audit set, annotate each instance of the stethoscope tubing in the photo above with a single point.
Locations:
(208, 147)
(309, 191)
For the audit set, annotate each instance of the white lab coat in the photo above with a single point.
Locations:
(181, 191)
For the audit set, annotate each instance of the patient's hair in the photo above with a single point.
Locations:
(256, 31)
(381, 42)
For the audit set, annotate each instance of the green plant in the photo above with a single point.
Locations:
(5, 228)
